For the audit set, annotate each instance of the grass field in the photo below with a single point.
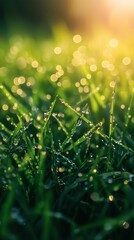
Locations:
(66, 137)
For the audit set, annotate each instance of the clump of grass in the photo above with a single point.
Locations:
(66, 147)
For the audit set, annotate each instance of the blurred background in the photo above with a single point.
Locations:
(78, 15)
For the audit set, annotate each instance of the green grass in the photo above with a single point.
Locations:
(66, 138)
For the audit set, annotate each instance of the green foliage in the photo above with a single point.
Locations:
(66, 139)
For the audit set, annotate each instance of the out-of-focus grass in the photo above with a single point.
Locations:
(66, 137)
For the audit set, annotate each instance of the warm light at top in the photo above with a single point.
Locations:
(116, 15)
(126, 4)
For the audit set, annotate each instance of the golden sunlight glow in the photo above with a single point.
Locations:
(121, 15)
(116, 15)
(123, 3)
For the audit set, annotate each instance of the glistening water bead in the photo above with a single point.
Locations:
(5, 107)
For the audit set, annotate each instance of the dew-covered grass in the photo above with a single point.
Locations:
(66, 138)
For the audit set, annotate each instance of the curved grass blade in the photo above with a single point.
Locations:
(88, 134)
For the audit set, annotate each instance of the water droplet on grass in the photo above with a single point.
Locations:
(126, 225)
(79, 122)
(62, 100)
